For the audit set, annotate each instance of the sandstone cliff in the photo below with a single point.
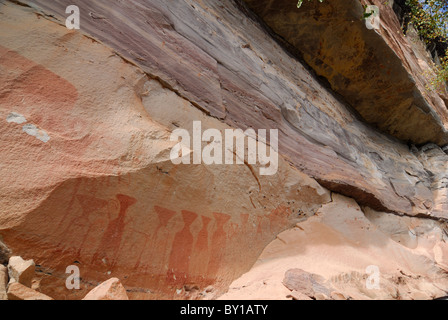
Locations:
(87, 178)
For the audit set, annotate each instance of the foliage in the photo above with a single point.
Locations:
(299, 4)
(441, 78)
(430, 18)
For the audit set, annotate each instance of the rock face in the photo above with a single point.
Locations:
(435, 161)
(305, 283)
(21, 271)
(3, 282)
(347, 249)
(373, 70)
(17, 291)
(4, 253)
(117, 204)
(87, 178)
(111, 289)
(244, 77)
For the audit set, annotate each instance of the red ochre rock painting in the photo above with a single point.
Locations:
(202, 239)
(92, 229)
(200, 257)
(89, 205)
(218, 244)
(109, 246)
(164, 216)
(45, 99)
(181, 250)
(27, 83)
(34, 91)
(173, 249)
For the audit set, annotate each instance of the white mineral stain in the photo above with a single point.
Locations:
(32, 130)
(15, 118)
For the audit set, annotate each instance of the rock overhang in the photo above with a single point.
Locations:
(367, 67)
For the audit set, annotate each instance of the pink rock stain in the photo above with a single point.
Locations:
(259, 225)
(111, 240)
(202, 238)
(26, 81)
(73, 199)
(45, 99)
(279, 218)
(182, 248)
(164, 216)
(89, 205)
(244, 220)
(218, 244)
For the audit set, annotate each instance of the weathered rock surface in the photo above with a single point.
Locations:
(338, 246)
(17, 291)
(4, 253)
(111, 289)
(309, 284)
(435, 161)
(86, 174)
(375, 71)
(295, 295)
(3, 282)
(107, 194)
(241, 75)
(21, 271)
